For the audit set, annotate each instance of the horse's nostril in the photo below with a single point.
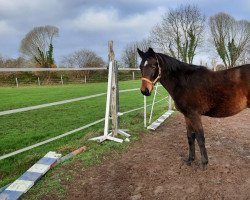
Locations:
(145, 92)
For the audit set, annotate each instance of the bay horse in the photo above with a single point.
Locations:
(196, 91)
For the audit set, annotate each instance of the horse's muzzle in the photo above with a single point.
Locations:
(146, 92)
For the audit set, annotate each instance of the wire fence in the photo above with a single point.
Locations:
(25, 76)
(59, 138)
(73, 131)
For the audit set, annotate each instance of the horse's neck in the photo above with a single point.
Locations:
(167, 80)
(168, 83)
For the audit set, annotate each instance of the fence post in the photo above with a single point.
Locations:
(38, 80)
(17, 82)
(85, 79)
(61, 79)
(114, 91)
(169, 102)
(133, 75)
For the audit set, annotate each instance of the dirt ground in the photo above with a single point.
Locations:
(153, 168)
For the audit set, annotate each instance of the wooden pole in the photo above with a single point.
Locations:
(112, 101)
(133, 75)
(114, 91)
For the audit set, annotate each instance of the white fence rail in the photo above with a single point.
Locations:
(27, 69)
(111, 67)
(7, 112)
(71, 132)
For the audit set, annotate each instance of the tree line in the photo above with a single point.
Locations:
(181, 33)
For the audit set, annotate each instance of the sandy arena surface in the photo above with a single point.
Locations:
(153, 167)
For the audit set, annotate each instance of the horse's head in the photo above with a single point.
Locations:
(150, 70)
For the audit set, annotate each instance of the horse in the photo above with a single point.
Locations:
(196, 91)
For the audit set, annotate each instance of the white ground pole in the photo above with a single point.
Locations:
(153, 103)
(107, 136)
(145, 111)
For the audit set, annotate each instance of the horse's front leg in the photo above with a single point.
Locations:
(194, 121)
(191, 140)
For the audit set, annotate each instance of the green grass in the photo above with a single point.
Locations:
(22, 129)
(12, 97)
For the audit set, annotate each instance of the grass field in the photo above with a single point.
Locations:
(23, 129)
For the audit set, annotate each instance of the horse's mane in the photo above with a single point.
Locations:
(176, 65)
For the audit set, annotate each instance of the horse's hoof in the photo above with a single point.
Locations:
(204, 167)
(204, 163)
(188, 161)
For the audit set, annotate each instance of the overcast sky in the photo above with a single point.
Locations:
(91, 23)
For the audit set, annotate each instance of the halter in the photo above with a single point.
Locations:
(157, 78)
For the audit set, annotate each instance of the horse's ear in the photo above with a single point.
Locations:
(141, 53)
(151, 51)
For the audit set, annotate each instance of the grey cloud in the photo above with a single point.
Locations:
(123, 21)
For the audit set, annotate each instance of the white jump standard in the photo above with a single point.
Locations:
(112, 98)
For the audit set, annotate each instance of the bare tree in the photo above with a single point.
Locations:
(83, 58)
(245, 56)
(12, 62)
(130, 56)
(1, 61)
(230, 37)
(180, 32)
(37, 45)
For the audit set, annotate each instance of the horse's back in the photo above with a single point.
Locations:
(234, 92)
(245, 74)
(220, 94)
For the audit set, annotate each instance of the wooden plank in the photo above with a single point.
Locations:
(113, 91)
